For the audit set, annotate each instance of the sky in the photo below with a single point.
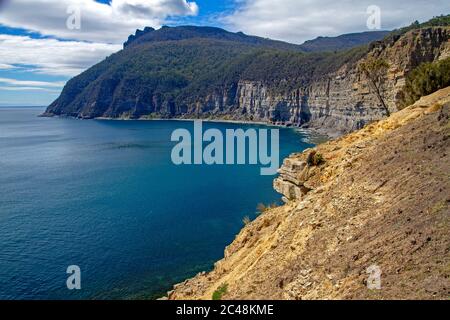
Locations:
(44, 43)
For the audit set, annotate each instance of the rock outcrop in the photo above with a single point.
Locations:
(376, 199)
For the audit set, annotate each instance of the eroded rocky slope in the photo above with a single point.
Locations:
(379, 197)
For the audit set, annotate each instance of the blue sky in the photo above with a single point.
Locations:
(39, 53)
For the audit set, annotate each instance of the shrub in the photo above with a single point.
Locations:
(223, 289)
(315, 159)
(426, 79)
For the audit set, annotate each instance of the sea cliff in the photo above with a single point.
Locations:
(334, 103)
(375, 197)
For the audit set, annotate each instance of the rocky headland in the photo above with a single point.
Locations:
(208, 73)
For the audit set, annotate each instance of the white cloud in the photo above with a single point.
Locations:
(300, 20)
(103, 28)
(99, 22)
(29, 89)
(52, 57)
(159, 9)
(15, 82)
(4, 66)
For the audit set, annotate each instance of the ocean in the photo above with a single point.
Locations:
(105, 196)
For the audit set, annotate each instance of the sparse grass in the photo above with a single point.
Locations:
(438, 207)
(246, 220)
(261, 207)
(223, 289)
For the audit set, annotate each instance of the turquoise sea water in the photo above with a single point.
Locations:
(104, 195)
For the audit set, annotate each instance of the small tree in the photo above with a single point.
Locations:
(375, 70)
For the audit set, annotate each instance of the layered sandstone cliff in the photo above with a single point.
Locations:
(377, 197)
(338, 102)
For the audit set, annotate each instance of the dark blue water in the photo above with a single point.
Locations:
(104, 195)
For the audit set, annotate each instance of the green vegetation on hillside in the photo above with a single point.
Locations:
(183, 72)
(439, 21)
(223, 289)
(426, 79)
(343, 42)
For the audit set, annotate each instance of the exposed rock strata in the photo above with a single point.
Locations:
(380, 198)
(339, 102)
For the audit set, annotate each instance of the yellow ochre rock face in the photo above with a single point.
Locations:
(377, 197)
